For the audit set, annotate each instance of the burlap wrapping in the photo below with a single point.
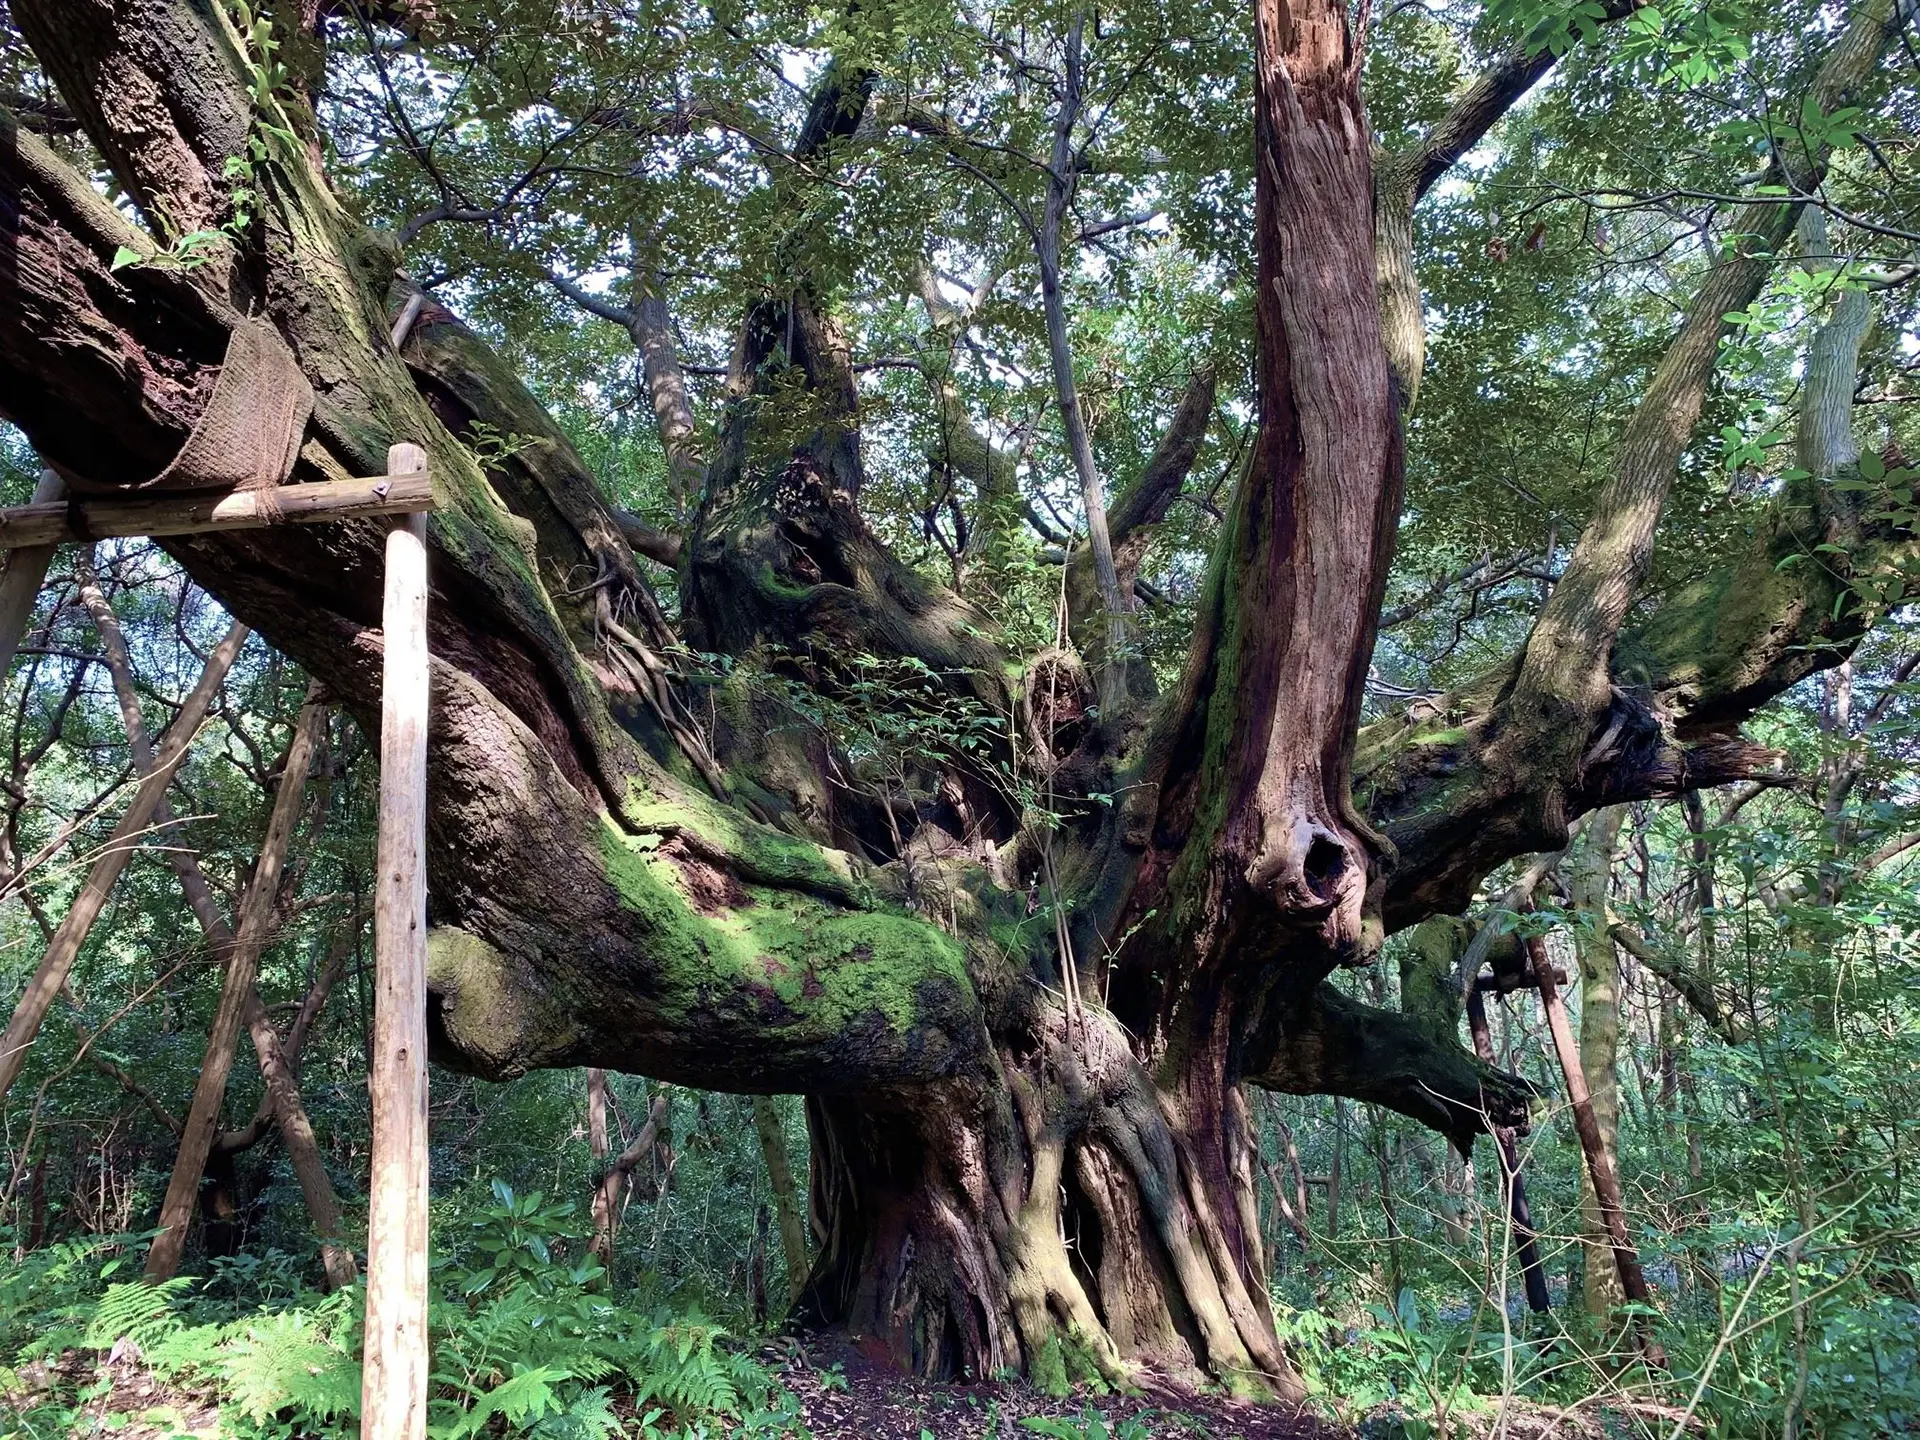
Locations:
(250, 433)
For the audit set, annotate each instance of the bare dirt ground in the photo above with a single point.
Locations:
(862, 1400)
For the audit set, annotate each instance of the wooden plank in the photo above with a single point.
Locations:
(393, 1402)
(43, 524)
(26, 572)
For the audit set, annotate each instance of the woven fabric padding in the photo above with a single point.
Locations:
(251, 431)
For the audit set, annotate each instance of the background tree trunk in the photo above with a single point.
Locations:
(598, 1148)
(786, 1195)
(243, 965)
(1599, 1040)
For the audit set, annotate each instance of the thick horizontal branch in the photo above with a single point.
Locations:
(64, 521)
(1330, 1044)
(661, 546)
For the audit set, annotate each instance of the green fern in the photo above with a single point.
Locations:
(288, 1362)
(47, 1300)
(138, 1311)
(681, 1365)
(522, 1399)
(190, 1351)
(589, 1417)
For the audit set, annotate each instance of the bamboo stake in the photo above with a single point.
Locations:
(52, 974)
(243, 964)
(26, 573)
(393, 1402)
(282, 1097)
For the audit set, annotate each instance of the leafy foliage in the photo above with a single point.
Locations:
(536, 1349)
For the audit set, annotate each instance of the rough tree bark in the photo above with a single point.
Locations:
(610, 887)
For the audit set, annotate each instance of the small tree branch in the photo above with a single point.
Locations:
(593, 304)
(1689, 986)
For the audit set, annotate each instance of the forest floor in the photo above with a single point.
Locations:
(845, 1395)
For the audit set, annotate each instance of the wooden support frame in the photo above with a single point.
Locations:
(26, 573)
(251, 934)
(394, 1371)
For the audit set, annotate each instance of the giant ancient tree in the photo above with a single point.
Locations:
(1012, 1022)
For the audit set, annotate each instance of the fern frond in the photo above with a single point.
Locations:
(137, 1311)
(521, 1400)
(285, 1361)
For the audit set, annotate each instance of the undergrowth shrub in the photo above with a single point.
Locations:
(525, 1342)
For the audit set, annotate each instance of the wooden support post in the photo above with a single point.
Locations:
(393, 1404)
(1600, 1166)
(26, 572)
(243, 965)
(119, 849)
(1526, 1239)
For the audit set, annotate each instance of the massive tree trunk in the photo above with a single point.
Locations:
(1031, 1146)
